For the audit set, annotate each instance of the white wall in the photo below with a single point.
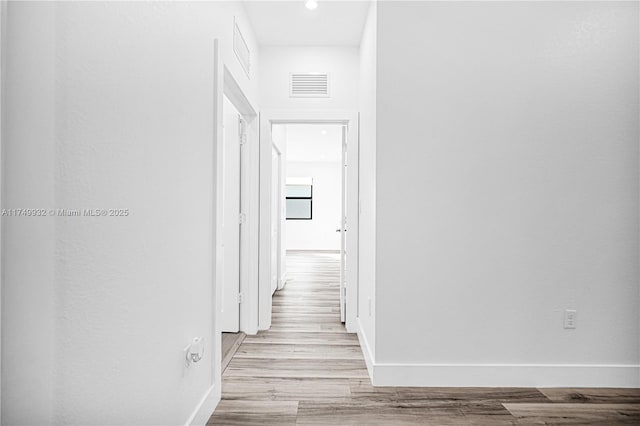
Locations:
(507, 191)
(127, 122)
(28, 293)
(3, 13)
(367, 232)
(320, 232)
(276, 62)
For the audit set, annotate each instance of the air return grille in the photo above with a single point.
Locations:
(241, 49)
(309, 85)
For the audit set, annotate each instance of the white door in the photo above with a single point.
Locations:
(343, 229)
(275, 218)
(231, 218)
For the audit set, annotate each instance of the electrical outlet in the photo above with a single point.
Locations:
(570, 316)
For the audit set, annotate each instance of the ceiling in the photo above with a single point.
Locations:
(290, 23)
(314, 142)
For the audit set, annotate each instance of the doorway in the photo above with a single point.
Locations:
(299, 201)
(314, 196)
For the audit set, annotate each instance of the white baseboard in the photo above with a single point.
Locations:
(205, 407)
(506, 375)
(497, 375)
(366, 349)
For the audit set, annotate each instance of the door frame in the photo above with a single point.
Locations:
(279, 208)
(249, 193)
(267, 120)
(224, 84)
(3, 21)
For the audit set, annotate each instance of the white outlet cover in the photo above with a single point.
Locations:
(570, 317)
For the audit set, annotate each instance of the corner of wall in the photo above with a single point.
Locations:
(366, 350)
(205, 408)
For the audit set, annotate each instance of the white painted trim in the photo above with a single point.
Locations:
(279, 242)
(207, 405)
(226, 85)
(223, 84)
(366, 350)
(286, 116)
(3, 17)
(216, 241)
(267, 119)
(250, 234)
(506, 375)
(249, 194)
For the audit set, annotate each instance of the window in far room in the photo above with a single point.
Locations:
(299, 198)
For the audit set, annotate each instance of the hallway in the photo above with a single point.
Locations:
(160, 159)
(307, 370)
(306, 362)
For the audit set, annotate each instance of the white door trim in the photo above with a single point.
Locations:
(267, 119)
(279, 242)
(343, 219)
(225, 85)
(3, 15)
(249, 198)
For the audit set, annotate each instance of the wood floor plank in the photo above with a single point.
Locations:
(472, 395)
(308, 338)
(311, 318)
(299, 351)
(259, 413)
(591, 395)
(364, 389)
(370, 413)
(302, 301)
(575, 413)
(318, 328)
(318, 368)
(302, 309)
(286, 389)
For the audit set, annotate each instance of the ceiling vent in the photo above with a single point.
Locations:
(241, 49)
(309, 85)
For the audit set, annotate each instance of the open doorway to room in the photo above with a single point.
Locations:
(313, 196)
(312, 204)
(314, 213)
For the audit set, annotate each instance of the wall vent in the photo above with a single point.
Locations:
(241, 49)
(309, 85)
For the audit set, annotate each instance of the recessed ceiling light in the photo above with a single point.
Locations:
(324, 132)
(311, 4)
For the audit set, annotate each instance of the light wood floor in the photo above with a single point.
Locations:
(308, 370)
